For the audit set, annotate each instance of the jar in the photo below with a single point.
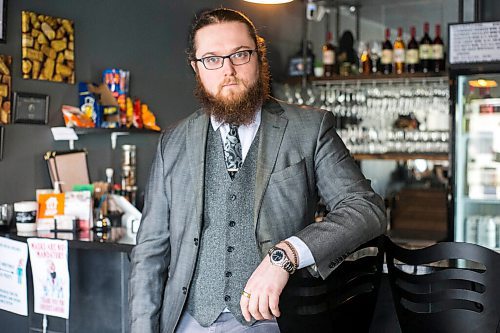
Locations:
(25, 215)
(128, 155)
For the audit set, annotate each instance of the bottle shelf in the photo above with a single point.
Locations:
(403, 156)
(84, 131)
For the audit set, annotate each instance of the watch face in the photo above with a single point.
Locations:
(277, 255)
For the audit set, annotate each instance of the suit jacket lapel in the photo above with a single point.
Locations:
(272, 129)
(196, 142)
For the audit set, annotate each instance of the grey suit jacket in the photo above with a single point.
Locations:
(301, 159)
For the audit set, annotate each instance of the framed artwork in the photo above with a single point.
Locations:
(31, 108)
(1, 141)
(3, 21)
(5, 88)
(48, 50)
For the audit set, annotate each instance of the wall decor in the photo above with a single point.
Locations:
(48, 48)
(31, 108)
(1, 141)
(3, 21)
(5, 88)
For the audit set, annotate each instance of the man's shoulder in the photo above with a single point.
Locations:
(178, 129)
(300, 112)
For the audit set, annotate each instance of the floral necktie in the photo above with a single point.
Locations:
(232, 151)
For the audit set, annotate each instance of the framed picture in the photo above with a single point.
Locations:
(1, 141)
(31, 108)
(3, 21)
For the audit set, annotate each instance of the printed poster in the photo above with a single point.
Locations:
(49, 264)
(13, 291)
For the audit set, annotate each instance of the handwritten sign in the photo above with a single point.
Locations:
(13, 291)
(49, 264)
(474, 43)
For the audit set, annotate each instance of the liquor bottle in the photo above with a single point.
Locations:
(386, 60)
(399, 53)
(365, 60)
(412, 53)
(425, 50)
(328, 56)
(438, 51)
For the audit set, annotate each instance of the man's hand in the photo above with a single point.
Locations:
(265, 287)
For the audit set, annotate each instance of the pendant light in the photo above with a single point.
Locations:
(269, 2)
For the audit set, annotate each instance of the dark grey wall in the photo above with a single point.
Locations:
(489, 10)
(147, 38)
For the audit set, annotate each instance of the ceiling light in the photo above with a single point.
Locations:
(483, 83)
(269, 2)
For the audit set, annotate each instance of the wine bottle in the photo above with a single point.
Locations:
(328, 56)
(386, 60)
(425, 50)
(412, 53)
(438, 51)
(399, 53)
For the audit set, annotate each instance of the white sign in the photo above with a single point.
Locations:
(474, 42)
(49, 264)
(13, 291)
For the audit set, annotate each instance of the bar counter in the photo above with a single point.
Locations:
(99, 270)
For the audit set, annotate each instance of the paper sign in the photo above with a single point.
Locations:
(474, 42)
(13, 291)
(63, 133)
(49, 264)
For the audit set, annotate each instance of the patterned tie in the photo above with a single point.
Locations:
(232, 151)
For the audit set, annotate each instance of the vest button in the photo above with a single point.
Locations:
(196, 241)
(232, 197)
(227, 298)
(230, 249)
(229, 274)
(184, 290)
(232, 223)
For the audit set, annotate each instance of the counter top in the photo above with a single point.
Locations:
(115, 239)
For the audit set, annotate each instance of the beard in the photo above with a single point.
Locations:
(237, 108)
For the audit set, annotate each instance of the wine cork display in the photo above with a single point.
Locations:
(48, 48)
(5, 89)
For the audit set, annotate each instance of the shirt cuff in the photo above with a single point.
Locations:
(305, 256)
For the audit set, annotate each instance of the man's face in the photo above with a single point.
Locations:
(228, 83)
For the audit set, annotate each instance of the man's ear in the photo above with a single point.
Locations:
(194, 66)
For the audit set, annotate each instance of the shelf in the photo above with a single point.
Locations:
(491, 201)
(403, 156)
(373, 78)
(84, 131)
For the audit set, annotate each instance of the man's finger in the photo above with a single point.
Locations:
(274, 305)
(244, 300)
(264, 307)
(253, 307)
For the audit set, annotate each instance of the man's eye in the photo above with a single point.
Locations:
(239, 54)
(212, 60)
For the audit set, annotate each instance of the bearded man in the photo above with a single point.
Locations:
(230, 203)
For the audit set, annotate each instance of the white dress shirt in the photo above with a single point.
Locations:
(247, 134)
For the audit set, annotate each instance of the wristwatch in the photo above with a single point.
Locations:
(279, 258)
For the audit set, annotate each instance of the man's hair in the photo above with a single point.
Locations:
(221, 15)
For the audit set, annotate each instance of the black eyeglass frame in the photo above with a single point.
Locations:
(202, 60)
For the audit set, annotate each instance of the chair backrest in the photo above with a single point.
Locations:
(446, 287)
(344, 302)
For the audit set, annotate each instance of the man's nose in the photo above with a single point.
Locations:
(228, 67)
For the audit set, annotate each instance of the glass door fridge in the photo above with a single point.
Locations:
(475, 148)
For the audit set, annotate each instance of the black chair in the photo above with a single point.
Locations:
(344, 302)
(460, 292)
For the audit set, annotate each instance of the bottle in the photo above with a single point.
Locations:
(399, 53)
(386, 60)
(425, 50)
(438, 51)
(366, 61)
(296, 65)
(328, 56)
(412, 58)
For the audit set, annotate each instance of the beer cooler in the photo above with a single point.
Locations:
(474, 201)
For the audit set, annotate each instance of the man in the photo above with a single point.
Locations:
(230, 203)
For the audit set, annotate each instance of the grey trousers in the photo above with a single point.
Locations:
(225, 323)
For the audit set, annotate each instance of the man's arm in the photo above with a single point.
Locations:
(151, 256)
(356, 213)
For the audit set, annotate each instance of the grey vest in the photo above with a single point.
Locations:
(228, 252)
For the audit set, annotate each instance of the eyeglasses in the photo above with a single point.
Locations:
(236, 58)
